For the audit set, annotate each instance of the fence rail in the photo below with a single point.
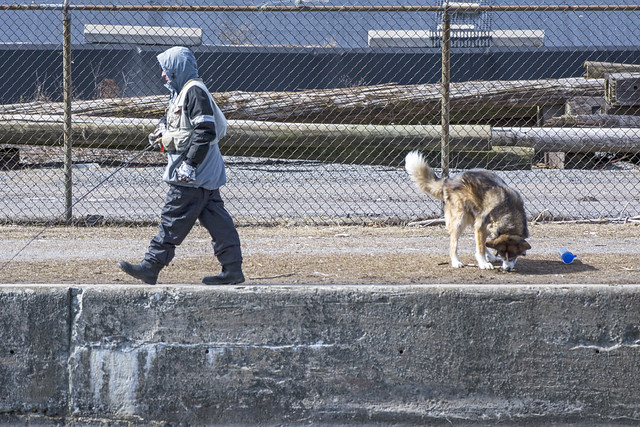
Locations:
(301, 7)
(323, 102)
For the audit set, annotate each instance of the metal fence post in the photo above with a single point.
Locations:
(444, 113)
(66, 73)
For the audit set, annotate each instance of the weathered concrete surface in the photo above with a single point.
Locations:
(320, 354)
(34, 350)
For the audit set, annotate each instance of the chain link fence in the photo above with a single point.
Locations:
(323, 101)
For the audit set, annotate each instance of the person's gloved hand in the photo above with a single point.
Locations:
(186, 172)
(155, 138)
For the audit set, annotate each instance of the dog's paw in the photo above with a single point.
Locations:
(492, 258)
(456, 263)
(482, 261)
(485, 265)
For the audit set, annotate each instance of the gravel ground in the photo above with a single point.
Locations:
(266, 191)
(607, 254)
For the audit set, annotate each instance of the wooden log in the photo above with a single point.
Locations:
(140, 107)
(581, 105)
(94, 132)
(569, 140)
(469, 102)
(120, 133)
(597, 69)
(594, 120)
(258, 134)
(383, 104)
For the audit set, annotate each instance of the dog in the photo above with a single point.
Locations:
(482, 199)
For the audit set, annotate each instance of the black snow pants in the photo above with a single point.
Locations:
(183, 206)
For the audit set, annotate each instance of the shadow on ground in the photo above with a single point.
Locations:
(546, 267)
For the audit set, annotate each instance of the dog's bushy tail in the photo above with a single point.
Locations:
(422, 175)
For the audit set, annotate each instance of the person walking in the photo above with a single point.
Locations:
(189, 133)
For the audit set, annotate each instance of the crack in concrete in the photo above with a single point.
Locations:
(75, 310)
(607, 349)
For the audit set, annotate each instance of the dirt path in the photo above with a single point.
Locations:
(607, 253)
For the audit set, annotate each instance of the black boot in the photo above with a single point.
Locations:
(145, 271)
(231, 275)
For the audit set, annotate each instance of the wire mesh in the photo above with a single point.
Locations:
(324, 100)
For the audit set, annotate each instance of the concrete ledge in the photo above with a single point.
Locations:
(323, 354)
(137, 34)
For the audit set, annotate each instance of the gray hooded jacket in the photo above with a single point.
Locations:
(202, 121)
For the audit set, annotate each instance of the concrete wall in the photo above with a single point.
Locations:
(319, 354)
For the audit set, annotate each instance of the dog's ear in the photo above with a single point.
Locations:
(499, 244)
(524, 246)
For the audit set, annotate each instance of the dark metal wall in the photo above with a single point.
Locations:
(38, 72)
